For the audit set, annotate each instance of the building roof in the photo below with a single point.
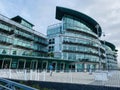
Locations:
(112, 46)
(19, 18)
(91, 23)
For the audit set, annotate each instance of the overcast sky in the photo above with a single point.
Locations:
(42, 13)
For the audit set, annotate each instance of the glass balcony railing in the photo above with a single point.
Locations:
(78, 28)
(4, 27)
(41, 41)
(24, 34)
(6, 39)
(23, 44)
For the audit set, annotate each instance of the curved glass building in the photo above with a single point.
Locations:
(111, 55)
(76, 38)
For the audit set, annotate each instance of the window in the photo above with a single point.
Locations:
(4, 51)
(14, 52)
(51, 48)
(52, 41)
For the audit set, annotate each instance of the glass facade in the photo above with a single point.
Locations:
(76, 39)
(111, 56)
(15, 40)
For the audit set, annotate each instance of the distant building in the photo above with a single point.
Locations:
(111, 55)
(76, 38)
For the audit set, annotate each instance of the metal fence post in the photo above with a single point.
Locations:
(71, 76)
(36, 74)
(44, 75)
(9, 73)
(30, 74)
(25, 75)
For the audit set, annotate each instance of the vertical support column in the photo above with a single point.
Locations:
(55, 66)
(10, 63)
(85, 67)
(3, 64)
(24, 64)
(36, 64)
(63, 67)
(97, 66)
(76, 67)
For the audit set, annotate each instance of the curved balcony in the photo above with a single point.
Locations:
(82, 52)
(71, 27)
(84, 44)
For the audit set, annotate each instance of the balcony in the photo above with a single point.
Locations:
(41, 41)
(80, 29)
(87, 44)
(23, 44)
(5, 40)
(4, 28)
(44, 50)
(23, 35)
(81, 52)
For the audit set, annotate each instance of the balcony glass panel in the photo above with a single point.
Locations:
(5, 27)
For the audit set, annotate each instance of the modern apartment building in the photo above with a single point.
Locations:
(76, 38)
(21, 47)
(17, 38)
(71, 44)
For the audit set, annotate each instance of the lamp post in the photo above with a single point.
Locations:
(105, 51)
(97, 27)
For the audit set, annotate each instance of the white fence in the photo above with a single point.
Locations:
(60, 76)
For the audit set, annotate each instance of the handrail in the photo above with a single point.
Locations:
(12, 84)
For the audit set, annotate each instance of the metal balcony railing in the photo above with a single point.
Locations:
(11, 85)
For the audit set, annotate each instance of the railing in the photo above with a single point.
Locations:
(6, 39)
(107, 78)
(10, 85)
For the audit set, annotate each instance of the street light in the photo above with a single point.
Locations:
(97, 27)
(105, 51)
